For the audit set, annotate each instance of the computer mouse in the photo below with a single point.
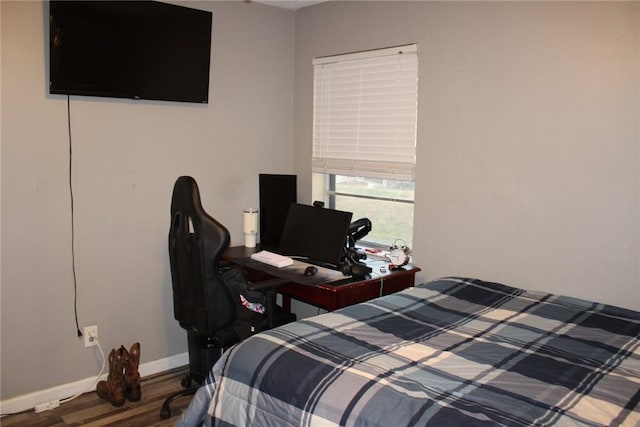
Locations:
(310, 271)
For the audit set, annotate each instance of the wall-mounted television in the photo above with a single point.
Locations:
(129, 49)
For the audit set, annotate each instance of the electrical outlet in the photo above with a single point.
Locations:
(90, 335)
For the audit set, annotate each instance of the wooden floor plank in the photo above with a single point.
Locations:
(90, 410)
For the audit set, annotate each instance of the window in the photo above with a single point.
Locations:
(364, 137)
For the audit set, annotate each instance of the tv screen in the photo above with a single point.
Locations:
(129, 49)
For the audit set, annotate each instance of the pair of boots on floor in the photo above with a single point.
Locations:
(123, 381)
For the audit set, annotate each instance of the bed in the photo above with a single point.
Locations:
(452, 352)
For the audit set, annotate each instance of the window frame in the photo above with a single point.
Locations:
(393, 164)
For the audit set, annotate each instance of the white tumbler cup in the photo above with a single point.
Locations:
(250, 227)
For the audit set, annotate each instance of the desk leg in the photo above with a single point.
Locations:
(286, 303)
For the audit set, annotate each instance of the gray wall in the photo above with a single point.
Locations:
(528, 162)
(528, 134)
(126, 156)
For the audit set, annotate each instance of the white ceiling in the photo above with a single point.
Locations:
(290, 4)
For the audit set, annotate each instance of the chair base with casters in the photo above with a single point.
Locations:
(203, 353)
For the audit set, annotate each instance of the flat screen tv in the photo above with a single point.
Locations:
(129, 49)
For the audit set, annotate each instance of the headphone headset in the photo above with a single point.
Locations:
(352, 256)
(355, 254)
(356, 269)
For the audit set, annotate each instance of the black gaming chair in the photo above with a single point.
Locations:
(203, 303)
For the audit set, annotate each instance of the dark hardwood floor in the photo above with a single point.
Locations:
(90, 410)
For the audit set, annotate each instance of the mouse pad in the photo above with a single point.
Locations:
(294, 272)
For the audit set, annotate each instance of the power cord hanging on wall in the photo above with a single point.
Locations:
(93, 384)
(55, 403)
(52, 404)
(73, 238)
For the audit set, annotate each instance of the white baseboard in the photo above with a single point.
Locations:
(30, 400)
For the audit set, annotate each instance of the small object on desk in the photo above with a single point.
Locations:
(399, 253)
(310, 271)
(250, 226)
(271, 258)
(383, 269)
(355, 269)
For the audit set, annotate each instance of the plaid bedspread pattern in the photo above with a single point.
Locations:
(453, 352)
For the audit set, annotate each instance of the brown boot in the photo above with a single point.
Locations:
(113, 388)
(131, 375)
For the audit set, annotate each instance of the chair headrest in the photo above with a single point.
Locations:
(186, 196)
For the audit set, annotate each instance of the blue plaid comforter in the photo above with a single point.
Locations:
(453, 352)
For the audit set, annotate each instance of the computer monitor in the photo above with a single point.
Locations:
(316, 235)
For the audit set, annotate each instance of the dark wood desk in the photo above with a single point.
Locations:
(330, 295)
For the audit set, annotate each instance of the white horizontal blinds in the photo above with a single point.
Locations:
(365, 108)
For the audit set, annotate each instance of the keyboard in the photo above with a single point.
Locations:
(271, 258)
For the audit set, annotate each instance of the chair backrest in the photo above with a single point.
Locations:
(202, 303)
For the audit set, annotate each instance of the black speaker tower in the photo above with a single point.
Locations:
(277, 192)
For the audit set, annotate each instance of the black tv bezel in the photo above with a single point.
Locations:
(147, 14)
